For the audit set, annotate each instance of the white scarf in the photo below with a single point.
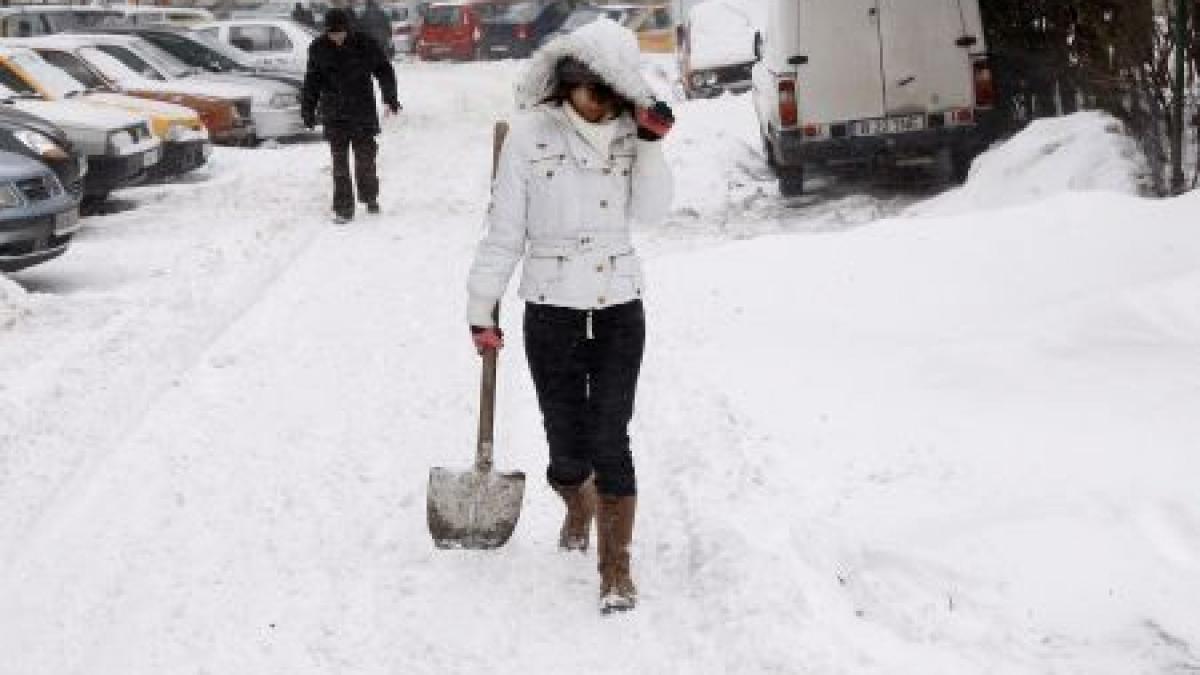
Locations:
(599, 135)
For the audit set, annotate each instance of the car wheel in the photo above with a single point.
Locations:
(791, 181)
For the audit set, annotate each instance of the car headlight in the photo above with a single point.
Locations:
(9, 197)
(285, 100)
(120, 141)
(176, 132)
(41, 144)
(698, 79)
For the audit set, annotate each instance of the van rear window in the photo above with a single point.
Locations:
(444, 16)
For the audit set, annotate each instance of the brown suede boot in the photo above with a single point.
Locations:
(614, 528)
(576, 530)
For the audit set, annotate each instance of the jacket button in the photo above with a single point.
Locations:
(599, 268)
(549, 174)
(600, 300)
(607, 171)
(541, 298)
(604, 203)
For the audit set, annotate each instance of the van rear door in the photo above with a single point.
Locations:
(841, 80)
(925, 68)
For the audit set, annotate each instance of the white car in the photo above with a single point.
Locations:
(862, 82)
(140, 65)
(273, 44)
(148, 15)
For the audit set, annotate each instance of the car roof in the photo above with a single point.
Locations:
(73, 40)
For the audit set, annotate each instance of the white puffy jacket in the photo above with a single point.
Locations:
(561, 204)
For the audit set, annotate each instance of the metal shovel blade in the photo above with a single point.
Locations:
(473, 509)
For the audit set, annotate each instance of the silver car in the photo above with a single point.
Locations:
(38, 216)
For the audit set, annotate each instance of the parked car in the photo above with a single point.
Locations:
(404, 26)
(31, 20)
(515, 30)
(186, 144)
(654, 23)
(38, 216)
(451, 30)
(280, 44)
(119, 145)
(716, 50)
(901, 82)
(228, 119)
(137, 64)
(150, 15)
(39, 139)
(202, 51)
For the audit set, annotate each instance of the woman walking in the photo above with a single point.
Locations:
(582, 162)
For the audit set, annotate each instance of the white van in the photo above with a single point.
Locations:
(871, 82)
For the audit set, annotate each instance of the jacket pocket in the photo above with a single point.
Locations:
(627, 278)
(542, 277)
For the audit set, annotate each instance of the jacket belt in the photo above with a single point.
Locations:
(614, 244)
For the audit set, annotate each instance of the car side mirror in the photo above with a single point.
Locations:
(758, 46)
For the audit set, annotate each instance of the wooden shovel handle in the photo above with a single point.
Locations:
(487, 389)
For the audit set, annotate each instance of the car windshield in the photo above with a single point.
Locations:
(209, 39)
(444, 15)
(113, 69)
(194, 51)
(162, 60)
(518, 12)
(53, 80)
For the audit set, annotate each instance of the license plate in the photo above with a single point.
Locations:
(499, 48)
(151, 158)
(888, 125)
(66, 222)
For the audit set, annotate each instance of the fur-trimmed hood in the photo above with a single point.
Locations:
(608, 49)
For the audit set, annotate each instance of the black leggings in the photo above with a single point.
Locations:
(585, 387)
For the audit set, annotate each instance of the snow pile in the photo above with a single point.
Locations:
(14, 302)
(721, 34)
(1081, 152)
(980, 430)
(715, 152)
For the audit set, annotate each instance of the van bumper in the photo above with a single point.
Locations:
(793, 149)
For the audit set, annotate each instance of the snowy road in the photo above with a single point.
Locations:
(219, 412)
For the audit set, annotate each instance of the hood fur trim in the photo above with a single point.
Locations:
(608, 49)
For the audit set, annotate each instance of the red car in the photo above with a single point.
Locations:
(451, 30)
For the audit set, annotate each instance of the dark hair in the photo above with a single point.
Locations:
(570, 73)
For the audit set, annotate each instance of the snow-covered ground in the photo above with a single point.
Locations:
(873, 436)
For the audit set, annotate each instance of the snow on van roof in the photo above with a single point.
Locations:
(720, 34)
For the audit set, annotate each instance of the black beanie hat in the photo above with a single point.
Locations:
(337, 21)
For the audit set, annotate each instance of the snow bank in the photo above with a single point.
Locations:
(1081, 152)
(981, 430)
(721, 34)
(14, 302)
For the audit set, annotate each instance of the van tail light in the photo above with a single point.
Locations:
(522, 32)
(985, 87)
(789, 114)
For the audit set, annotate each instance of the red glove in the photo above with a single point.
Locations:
(487, 339)
(654, 122)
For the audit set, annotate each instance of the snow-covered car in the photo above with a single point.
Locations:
(515, 30)
(38, 216)
(653, 23)
(149, 15)
(201, 50)
(279, 44)
(186, 144)
(39, 139)
(227, 119)
(119, 145)
(29, 20)
(140, 65)
(716, 50)
(404, 26)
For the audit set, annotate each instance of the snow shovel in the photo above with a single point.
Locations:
(477, 508)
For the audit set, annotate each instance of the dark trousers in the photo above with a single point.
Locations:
(585, 387)
(365, 149)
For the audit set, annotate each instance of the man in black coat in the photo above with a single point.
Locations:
(340, 66)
